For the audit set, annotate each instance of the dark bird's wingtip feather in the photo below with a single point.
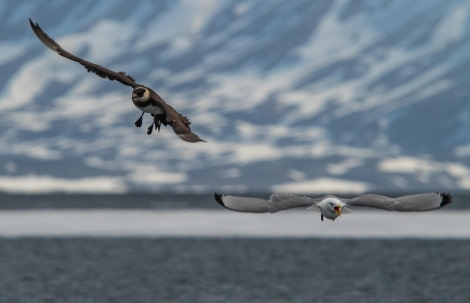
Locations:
(190, 137)
(218, 198)
(198, 140)
(34, 25)
(446, 198)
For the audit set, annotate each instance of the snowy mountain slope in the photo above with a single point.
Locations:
(295, 96)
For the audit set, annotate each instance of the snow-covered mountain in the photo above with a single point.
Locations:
(304, 96)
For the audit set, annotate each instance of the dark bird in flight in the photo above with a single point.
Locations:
(144, 98)
(331, 206)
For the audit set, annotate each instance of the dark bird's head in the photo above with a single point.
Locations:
(140, 95)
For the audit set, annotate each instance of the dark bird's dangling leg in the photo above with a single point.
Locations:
(150, 129)
(158, 120)
(138, 123)
(321, 217)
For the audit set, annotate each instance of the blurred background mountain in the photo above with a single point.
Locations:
(300, 96)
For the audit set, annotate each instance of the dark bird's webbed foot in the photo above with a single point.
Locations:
(150, 129)
(138, 123)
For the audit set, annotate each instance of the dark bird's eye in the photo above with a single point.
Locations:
(140, 92)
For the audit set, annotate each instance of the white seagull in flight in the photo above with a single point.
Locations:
(331, 206)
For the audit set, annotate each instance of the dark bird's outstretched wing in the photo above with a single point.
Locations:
(91, 67)
(180, 124)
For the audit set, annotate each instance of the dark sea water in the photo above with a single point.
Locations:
(233, 270)
(223, 269)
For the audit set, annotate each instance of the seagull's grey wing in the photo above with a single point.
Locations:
(91, 67)
(417, 202)
(275, 203)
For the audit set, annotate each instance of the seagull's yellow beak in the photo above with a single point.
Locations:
(337, 210)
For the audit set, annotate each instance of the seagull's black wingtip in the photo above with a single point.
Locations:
(445, 199)
(218, 198)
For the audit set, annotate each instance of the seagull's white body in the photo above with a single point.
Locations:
(331, 206)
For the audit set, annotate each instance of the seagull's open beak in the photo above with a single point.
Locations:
(337, 210)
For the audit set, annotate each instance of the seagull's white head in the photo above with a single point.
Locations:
(331, 208)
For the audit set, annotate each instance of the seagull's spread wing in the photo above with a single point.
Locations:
(180, 124)
(418, 202)
(275, 203)
(91, 67)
